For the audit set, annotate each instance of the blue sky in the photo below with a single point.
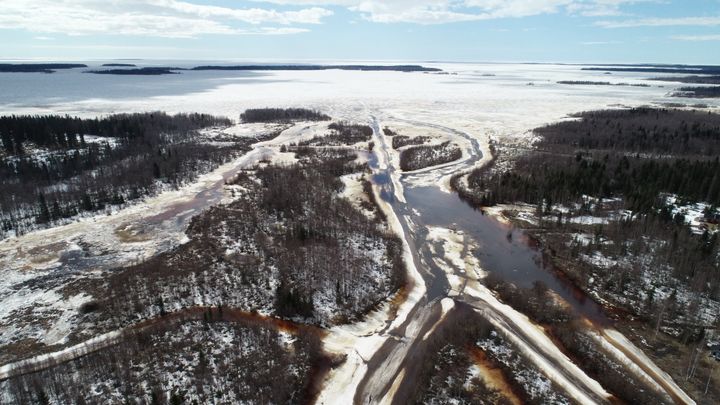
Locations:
(593, 31)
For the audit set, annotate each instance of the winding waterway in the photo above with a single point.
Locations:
(502, 249)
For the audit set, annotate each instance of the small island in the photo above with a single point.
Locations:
(689, 69)
(145, 71)
(698, 92)
(37, 67)
(119, 65)
(694, 79)
(591, 83)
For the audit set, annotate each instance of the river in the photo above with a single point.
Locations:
(503, 250)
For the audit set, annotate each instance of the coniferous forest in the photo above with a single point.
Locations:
(637, 153)
(282, 115)
(55, 167)
(622, 169)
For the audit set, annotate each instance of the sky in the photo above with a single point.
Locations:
(572, 31)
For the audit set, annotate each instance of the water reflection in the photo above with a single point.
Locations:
(503, 250)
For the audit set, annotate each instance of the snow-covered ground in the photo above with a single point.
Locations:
(694, 213)
(537, 347)
(469, 108)
(360, 341)
(37, 265)
(632, 352)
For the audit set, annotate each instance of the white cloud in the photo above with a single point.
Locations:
(599, 8)
(661, 22)
(188, 18)
(448, 11)
(697, 37)
(162, 18)
(312, 15)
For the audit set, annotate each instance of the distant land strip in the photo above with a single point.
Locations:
(398, 68)
(660, 69)
(144, 71)
(690, 79)
(176, 70)
(591, 83)
(38, 67)
(698, 92)
(131, 69)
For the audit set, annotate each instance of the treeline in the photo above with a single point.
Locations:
(695, 79)
(637, 154)
(641, 181)
(592, 83)
(38, 67)
(399, 141)
(341, 133)
(57, 167)
(51, 67)
(420, 157)
(640, 130)
(389, 132)
(396, 68)
(687, 69)
(698, 92)
(143, 71)
(289, 245)
(18, 132)
(282, 115)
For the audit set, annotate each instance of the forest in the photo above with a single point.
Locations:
(441, 366)
(289, 246)
(55, 167)
(419, 157)
(341, 133)
(221, 357)
(446, 367)
(698, 92)
(618, 168)
(282, 115)
(229, 314)
(636, 153)
(570, 333)
(399, 141)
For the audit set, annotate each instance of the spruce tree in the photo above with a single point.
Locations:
(44, 212)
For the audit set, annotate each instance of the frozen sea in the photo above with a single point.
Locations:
(509, 96)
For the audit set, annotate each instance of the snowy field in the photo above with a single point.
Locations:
(471, 105)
